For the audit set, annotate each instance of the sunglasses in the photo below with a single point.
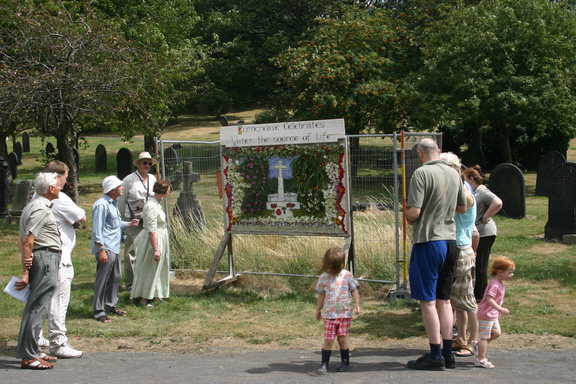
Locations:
(147, 163)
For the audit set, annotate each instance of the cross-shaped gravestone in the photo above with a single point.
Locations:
(280, 167)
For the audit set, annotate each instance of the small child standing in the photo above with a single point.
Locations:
(490, 308)
(336, 287)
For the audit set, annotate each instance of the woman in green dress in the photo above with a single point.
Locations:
(151, 270)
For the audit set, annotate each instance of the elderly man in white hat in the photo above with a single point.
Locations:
(107, 229)
(137, 190)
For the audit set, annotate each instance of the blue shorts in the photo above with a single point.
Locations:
(426, 262)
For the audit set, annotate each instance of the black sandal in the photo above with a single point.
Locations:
(118, 312)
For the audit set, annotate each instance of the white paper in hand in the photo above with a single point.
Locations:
(21, 295)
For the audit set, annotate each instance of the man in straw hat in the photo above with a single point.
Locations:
(107, 229)
(137, 190)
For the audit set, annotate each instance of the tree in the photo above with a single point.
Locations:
(501, 75)
(75, 69)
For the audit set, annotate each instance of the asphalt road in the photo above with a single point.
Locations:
(291, 366)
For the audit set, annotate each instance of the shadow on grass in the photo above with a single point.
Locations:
(390, 324)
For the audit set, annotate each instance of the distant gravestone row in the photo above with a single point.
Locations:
(557, 180)
(507, 182)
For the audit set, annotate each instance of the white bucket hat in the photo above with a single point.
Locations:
(109, 183)
(144, 156)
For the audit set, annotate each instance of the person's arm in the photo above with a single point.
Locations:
(153, 237)
(98, 220)
(494, 207)
(27, 257)
(356, 296)
(319, 305)
(412, 214)
(463, 201)
(65, 207)
(122, 199)
(496, 306)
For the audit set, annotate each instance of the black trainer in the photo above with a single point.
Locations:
(426, 363)
(450, 361)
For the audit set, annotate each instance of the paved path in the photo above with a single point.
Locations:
(282, 367)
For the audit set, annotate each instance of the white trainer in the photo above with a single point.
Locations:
(66, 352)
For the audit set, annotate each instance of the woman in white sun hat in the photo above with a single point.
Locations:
(138, 189)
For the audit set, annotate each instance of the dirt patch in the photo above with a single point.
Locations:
(548, 248)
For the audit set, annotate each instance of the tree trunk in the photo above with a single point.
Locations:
(476, 145)
(505, 144)
(65, 145)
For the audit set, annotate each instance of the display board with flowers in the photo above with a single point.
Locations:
(317, 176)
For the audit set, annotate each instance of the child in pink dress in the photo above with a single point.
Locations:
(336, 287)
(490, 308)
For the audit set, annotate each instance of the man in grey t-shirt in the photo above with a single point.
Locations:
(41, 247)
(436, 193)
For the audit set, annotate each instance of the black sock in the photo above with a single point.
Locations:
(326, 356)
(446, 347)
(436, 351)
(345, 356)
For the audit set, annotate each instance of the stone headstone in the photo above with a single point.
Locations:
(25, 142)
(100, 158)
(50, 150)
(223, 120)
(562, 203)
(18, 150)
(549, 163)
(5, 180)
(507, 182)
(124, 165)
(13, 164)
(20, 196)
(188, 208)
(170, 156)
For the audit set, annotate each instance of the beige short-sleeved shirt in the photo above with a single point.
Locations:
(39, 220)
(136, 194)
(435, 188)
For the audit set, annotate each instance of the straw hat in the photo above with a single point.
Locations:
(144, 156)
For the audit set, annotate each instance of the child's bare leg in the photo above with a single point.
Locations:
(343, 342)
(482, 349)
(328, 344)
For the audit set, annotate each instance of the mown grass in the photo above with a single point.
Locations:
(279, 311)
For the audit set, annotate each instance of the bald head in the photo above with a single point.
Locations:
(428, 150)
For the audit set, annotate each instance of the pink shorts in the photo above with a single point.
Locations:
(336, 327)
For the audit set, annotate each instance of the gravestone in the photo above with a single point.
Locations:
(124, 165)
(13, 164)
(50, 150)
(100, 158)
(188, 208)
(223, 120)
(25, 142)
(170, 157)
(20, 196)
(18, 150)
(562, 203)
(171, 164)
(507, 182)
(549, 163)
(5, 179)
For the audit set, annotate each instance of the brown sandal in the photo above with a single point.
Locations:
(37, 364)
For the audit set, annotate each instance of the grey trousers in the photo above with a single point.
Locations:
(129, 255)
(42, 283)
(107, 284)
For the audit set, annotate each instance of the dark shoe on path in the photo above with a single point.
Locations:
(426, 363)
(323, 369)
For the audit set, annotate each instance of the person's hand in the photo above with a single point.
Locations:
(27, 262)
(505, 311)
(357, 309)
(102, 256)
(134, 222)
(82, 220)
(157, 255)
(23, 282)
(318, 314)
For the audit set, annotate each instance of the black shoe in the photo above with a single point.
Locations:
(343, 367)
(450, 361)
(426, 363)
